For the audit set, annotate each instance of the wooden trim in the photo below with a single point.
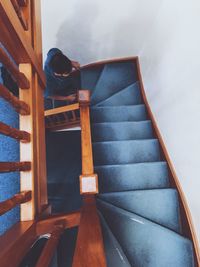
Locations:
(14, 133)
(20, 106)
(51, 245)
(46, 225)
(16, 200)
(15, 166)
(20, 14)
(15, 243)
(186, 215)
(20, 78)
(89, 246)
(63, 109)
(22, 50)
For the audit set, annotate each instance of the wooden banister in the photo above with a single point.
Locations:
(17, 199)
(20, 106)
(63, 109)
(20, 15)
(88, 180)
(89, 251)
(20, 78)
(51, 245)
(15, 166)
(14, 133)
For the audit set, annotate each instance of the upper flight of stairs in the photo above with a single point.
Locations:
(139, 210)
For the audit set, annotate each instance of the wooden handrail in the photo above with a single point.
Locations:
(21, 47)
(63, 109)
(15, 166)
(20, 15)
(50, 247)
(20, 78)
(14, 133)
(89, 249)
(20, 106)
(17, 199)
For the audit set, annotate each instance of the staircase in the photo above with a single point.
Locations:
(138, 204)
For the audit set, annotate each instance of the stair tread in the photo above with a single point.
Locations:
(90, 77)
(114, 77)
(116, 131)
(128, 151)
(158, 205)
(128, 96)
(146, 243)
(114, 253)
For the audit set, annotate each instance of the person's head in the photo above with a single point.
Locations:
(60, 65)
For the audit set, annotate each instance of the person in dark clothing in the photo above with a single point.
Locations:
(61, 82)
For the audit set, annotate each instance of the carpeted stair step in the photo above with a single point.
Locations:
(129, 96)
(117, 131)
(118, 114)
(115, 178)
(125, 152)
(158, 205)
(114, 77)
(115, 256)
(90, 76)
(146, 243)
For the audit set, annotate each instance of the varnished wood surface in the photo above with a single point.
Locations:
(17, 199)
(15, 243)
(71, 220)
(20, 78)
(21, 48)
(50, 247)
(188, 227)
(20, 14)
(15, 166)
(20, 106)
(89, 250)
(86, 139)
(14, 133)
(63, 109)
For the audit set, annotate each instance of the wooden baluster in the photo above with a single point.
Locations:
(17, 199)
(15, 166)
(20, 78)
(20, 106)
(14, 133)
(20, 14)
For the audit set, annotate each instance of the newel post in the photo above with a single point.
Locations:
(88, 179)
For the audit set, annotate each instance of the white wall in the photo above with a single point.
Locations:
(165, 34)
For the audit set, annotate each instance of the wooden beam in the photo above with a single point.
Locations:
(20, 106)
(22, 50)
(20, 78)
(16, 242)
(14, 133)
(51, 245)
(15, 166)
(16, 200)
(186, 217)
(20, 14)
(63, 109)
(89, 246)
(46, 225)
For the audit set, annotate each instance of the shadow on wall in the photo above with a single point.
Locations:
(75, 36)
